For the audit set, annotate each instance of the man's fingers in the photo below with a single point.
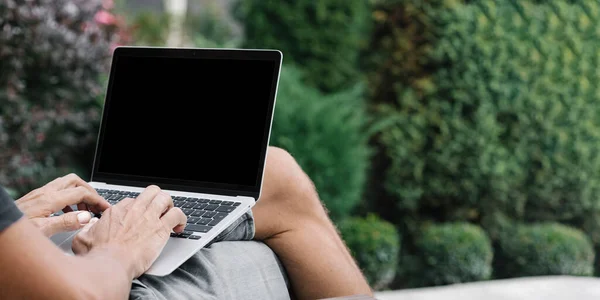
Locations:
(146, 197)
(174, 219)
(66, 222)
(89, 225)
(125, 202)
(80, 195)
(81, 242)
(160, 204)
(69, 180)
(72, 180)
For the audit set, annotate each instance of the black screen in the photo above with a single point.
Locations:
(190, 119)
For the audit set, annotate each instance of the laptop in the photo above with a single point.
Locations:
(195, 122)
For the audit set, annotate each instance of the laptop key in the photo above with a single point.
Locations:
(214, 201)
(211, 207)
(192, 199)
(189, 205)
(197, 213)
(220, 216)
(193, 220)
(203, 200)
(227, 203)
(214, 222)
(198, 228)
(204, 221)
(178, 203)
(225, 208)
(209, 214)
(179, 235)
(184, 235)
(194, 237)
(187, 211)
(236, 203)
(200, 205)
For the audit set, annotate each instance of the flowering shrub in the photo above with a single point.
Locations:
(52, 56)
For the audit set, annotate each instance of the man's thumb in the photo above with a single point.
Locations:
(67, 222)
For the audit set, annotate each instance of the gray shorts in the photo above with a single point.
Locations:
(232, 267)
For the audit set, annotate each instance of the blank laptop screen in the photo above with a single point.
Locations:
(190, 119)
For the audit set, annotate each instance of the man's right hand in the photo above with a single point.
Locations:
(134, 230)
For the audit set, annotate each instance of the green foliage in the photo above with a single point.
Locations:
(325, 135)
(324, 37)
(490, 108)
(150, 28)
(51, 56)
(211, 28)
(375, 245)
(544, 249)
(453, 253)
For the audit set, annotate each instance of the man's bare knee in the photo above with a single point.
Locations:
(295, 190)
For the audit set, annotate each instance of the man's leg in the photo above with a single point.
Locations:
(291, 220)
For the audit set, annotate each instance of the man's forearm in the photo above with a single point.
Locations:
(34, 268)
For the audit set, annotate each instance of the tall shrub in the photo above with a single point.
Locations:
(491, 108)
(324, 37)
(52, 54)
(325, 133)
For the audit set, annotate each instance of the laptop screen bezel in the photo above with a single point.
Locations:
(188, 185)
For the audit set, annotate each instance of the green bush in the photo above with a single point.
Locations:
(325, 135)
(52, 54)
(149, 28)
(211, 27)
(375, 245)
(324, 37)
(490, 108)
(544, 249)
(453, 253)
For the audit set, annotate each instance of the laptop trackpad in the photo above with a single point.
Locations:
(64, 240)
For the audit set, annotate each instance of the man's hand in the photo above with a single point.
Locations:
(59, 194)
(135, 230)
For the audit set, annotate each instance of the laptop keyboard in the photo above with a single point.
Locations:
(202, 214)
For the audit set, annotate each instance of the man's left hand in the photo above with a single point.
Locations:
(59, 194)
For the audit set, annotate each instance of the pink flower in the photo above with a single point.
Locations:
(104, 17)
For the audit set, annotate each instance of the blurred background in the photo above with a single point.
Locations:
(451, 140)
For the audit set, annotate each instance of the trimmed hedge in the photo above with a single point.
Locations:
(453, 253)
(325, 135)
(324, 37)
(375, 244)
(489, 109)
(544, 249)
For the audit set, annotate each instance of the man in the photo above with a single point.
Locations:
(118, 248)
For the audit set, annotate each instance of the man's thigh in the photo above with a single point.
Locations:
(234, 267)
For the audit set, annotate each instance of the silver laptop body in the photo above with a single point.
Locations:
(211, 111)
